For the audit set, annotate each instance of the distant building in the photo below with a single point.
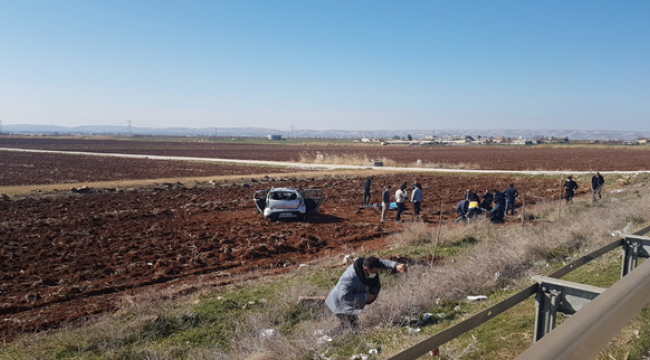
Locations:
(456, 139)
(522, 142)
(275, 137)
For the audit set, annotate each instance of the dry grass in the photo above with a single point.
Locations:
(359, 159)
(511, 252)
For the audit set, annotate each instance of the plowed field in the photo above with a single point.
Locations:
(21, 168)
(513, 157)
(67, 255)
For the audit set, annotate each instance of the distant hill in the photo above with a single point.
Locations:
(262, 132)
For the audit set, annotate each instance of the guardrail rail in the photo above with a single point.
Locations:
(598, 314)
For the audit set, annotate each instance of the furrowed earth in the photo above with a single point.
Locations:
(65, 255)
(23, 168)
(490, 157)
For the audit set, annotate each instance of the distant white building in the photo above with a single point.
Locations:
(522, 142)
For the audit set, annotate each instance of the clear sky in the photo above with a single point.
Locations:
(352, 65)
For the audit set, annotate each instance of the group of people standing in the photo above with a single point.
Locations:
(359, 285)
(401, 196)
(570, 186)
(496, 204)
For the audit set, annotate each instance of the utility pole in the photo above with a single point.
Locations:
(128, 122)
(0, 126)
(215, 132)
(292, 130)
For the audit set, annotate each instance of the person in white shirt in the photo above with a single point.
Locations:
(400, 199)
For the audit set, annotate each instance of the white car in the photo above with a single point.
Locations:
(281, 203)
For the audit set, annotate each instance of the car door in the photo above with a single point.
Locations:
(313, 199)
(259, 197)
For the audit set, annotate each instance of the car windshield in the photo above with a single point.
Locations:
(283, 195)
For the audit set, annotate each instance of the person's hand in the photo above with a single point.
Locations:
(402, 268)
(370, 297)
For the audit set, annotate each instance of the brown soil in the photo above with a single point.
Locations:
(20, 168)
(541, 157)
(66, 255)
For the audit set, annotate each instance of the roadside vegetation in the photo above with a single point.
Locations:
(261, 319)
(359, 159)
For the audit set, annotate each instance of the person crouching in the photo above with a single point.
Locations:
(357, 287)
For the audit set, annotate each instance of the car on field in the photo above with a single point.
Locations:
(282, 203)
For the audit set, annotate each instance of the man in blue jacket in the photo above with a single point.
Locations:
(511, 194)
(357, 287)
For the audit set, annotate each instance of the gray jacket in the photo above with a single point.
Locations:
(349, 294)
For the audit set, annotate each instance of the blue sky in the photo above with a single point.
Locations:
(350, 65)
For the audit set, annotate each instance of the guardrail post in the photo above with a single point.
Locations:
(586, 333)
(546, 305)
(569, 299)
(630, 256)
(557, 295)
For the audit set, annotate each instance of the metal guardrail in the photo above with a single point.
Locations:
(585, 334)
(631, 293)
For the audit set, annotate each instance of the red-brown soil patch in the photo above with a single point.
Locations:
(22, 168)
(513, 157)
(66, 255)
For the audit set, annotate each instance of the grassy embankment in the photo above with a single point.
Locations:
(231, 322)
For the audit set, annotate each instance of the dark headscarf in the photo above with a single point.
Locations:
(374, 284)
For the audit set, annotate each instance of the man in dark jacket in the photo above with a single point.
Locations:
(511, 194)
(357, 287)
(499, 206)
(570, 187)
(366, 190)
(488, 198)
(597, 182)
(471, 195)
